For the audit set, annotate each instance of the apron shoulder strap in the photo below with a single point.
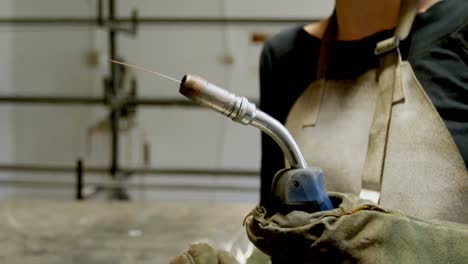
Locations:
(389, 81)
(327, 38)
(408, 11)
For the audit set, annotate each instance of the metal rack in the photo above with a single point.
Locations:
(113, 98)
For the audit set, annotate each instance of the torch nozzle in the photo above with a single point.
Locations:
(239, 109)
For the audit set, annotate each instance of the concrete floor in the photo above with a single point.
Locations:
(109, 232)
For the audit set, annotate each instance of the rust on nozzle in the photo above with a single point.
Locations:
(191, 86)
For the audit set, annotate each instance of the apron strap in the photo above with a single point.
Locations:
(390, 90)
(311, 116)
(327, 38)
(408, 11)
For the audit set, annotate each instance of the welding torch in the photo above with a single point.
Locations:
(298, 187)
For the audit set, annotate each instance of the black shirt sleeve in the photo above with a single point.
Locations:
(271, 160)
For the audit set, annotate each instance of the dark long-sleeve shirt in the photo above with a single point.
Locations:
(437, 49)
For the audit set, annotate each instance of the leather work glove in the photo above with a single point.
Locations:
(356, 231)
(204, 254)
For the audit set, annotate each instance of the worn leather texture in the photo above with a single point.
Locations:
(337, 143)
(424, 174)
(389, 77)
(381, 132)
(357, 231)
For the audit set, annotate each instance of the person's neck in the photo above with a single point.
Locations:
(361, 18)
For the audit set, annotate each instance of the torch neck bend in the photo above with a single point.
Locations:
(282, 137)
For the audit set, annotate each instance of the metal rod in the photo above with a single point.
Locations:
(219, 20)
(48, 168)
(32, 168)
(164, 102)
(62, 185)
(48, 21)
(192, 172)
(114, 120)
(100, 12)
(77, 21)
(79, 180)
(16, 99)
(114, 91)
(82, 100)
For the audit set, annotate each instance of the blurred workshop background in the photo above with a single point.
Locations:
(61, 103)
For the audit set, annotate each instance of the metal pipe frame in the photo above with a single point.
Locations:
(113, 25)
(72, 100)
(84, 100)
(86, 22)
(113, 92)
(79, 180)
(32, 168)
(71, 185)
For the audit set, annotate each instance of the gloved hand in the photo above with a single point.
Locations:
(204, 254)
(356, 231)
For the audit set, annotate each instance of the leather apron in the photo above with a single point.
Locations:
(379, 134)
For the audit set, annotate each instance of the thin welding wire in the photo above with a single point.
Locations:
(147, 70)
